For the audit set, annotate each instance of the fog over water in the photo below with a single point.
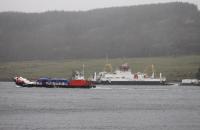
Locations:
(68, 5)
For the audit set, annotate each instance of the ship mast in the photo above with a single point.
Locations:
(153, 73)
(108, 66)
(83, 71)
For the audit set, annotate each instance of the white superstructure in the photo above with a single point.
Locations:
(124, 74)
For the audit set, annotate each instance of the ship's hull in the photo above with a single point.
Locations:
(71, 84)
(132, 83)
(56, 86)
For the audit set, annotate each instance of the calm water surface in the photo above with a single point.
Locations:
(102, 108)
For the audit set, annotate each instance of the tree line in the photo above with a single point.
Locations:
(134, 31)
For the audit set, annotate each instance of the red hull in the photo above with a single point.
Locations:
(80, 84)
(71, 84)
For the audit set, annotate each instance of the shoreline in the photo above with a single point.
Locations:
(168, 66)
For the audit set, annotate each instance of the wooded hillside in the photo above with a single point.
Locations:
(135, 31)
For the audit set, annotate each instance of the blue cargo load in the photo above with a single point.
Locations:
(52, 81)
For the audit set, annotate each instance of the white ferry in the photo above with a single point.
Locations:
(124, 76)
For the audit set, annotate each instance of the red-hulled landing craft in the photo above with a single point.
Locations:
(77, 81)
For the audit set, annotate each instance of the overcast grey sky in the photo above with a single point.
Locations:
(69, 5)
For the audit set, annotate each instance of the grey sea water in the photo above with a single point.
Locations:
(102, 108)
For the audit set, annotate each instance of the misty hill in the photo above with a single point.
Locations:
(147, 30)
